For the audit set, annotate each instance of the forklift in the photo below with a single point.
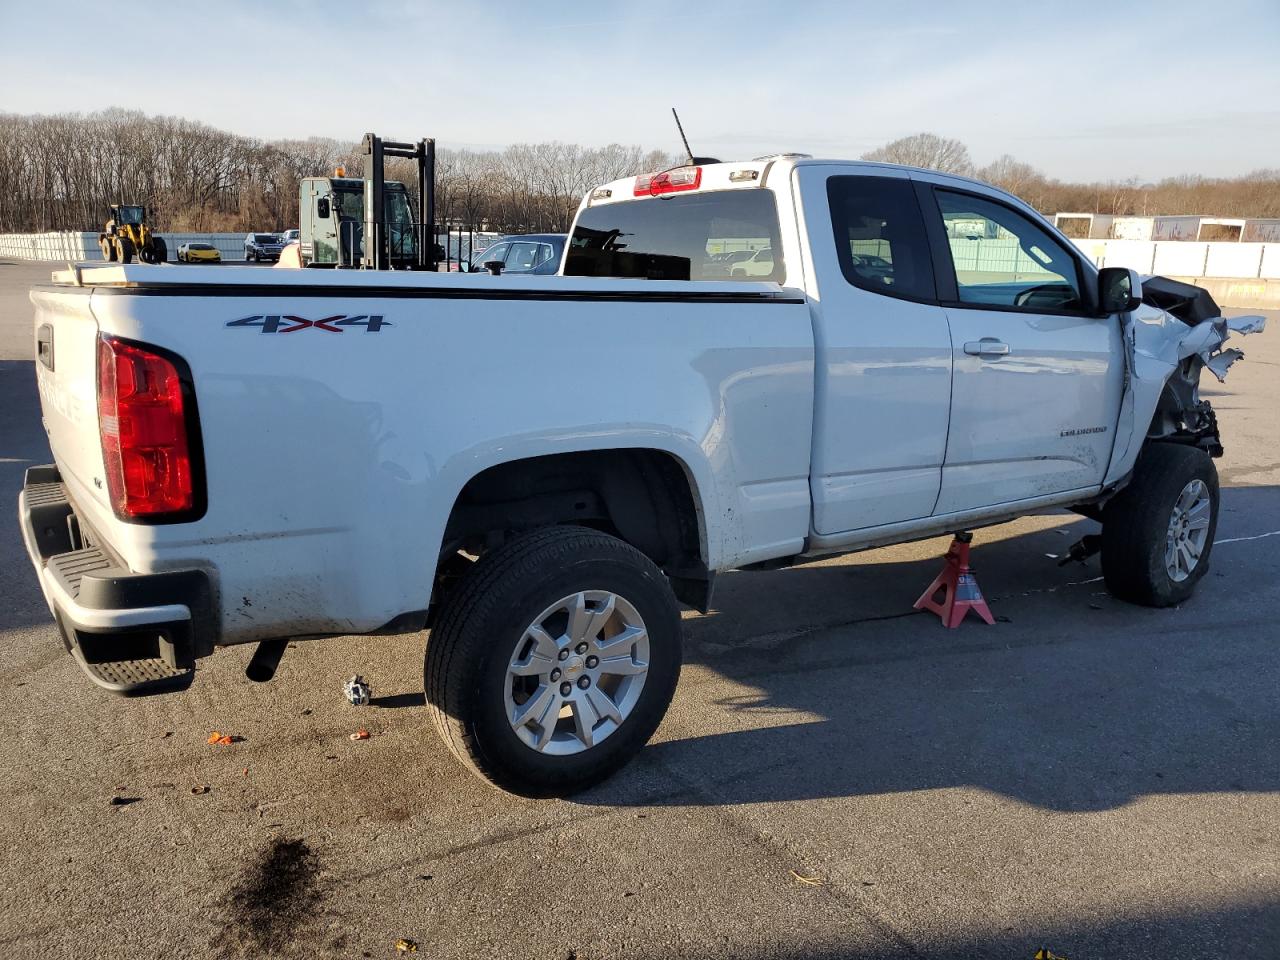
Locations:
(368, 223)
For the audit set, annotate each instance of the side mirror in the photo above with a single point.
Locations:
(322, 209)
(494, 267)
(1119, 290)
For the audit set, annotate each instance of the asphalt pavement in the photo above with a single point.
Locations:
(838, 777)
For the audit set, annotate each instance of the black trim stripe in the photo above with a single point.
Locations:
(328, 290)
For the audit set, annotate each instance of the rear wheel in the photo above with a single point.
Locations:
(159, 251)
(108, 248)
(1157, 534)
(554, 661)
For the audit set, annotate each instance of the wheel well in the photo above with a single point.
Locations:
(643, 497)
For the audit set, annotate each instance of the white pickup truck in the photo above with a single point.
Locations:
(540, 473)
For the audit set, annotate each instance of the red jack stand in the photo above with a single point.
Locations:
(959, 589)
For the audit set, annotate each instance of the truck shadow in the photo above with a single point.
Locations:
(22, 444)
(1073, 702)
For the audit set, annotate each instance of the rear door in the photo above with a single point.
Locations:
(883, 378)
(1037, 373)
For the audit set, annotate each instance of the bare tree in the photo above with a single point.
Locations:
(926, 150)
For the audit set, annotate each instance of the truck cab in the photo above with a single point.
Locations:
(333, 219)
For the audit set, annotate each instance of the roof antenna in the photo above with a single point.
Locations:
(688, 152)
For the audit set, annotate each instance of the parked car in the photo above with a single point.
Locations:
(194, 252)
(262, 246)
(759, 264)
(531, 253)
(723, 262)
(541, 471)
(290, 236)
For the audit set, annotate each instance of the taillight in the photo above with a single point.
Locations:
(142, 418)
(670, 181)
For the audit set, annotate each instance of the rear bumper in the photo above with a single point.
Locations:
(131, 633)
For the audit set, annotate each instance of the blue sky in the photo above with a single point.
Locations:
(1079, 88)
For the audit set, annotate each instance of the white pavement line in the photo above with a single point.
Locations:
(1261, 536)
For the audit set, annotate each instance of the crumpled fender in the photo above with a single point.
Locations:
(1156, 346)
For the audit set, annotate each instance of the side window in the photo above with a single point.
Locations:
(880, 236)
(523, 256)
(496, 252)
(1003, 259)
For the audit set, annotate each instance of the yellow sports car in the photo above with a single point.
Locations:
(198, 253)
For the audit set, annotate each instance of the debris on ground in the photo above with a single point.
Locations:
(405, 945)
(360, 735)
(200, 788)
(1045, 954)
(223, 739)
(810, 881)
(357, 691)
(123, 801)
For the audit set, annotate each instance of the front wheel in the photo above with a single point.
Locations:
(554, 661)
(1157, 534)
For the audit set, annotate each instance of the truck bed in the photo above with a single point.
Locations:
(346, 410)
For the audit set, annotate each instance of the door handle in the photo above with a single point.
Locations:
(44, 345)
(987, 347)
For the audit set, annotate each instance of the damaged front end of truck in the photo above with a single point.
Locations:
(1177, 331)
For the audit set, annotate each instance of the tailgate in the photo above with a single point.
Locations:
(66, 343)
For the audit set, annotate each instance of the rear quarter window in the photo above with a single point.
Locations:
(679, 238)
(880, 236)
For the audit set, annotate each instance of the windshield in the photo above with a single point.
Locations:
(401, 235)
(395, 206)
(265, 238)
(350, 204)
(677, 237)
(131, 215)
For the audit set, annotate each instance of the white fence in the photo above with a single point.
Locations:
(67, 245)
(1227, 259)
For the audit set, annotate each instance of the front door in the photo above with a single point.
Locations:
(1038, 375)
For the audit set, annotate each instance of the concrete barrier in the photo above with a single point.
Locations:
(1239, 294)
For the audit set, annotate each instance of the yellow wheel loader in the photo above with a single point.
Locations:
(127, 235)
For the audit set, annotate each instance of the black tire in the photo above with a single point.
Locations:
(250, 256)
(125, 250)
(484, 618)
(159, 251)
(1135, 526)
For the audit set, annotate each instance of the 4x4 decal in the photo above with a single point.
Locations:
(287, 323)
